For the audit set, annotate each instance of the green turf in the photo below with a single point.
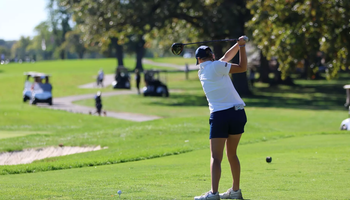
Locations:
(308, 167)
(9, 134)
(175, 60)
(288, 123)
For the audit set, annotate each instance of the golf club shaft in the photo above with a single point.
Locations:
(224, 40)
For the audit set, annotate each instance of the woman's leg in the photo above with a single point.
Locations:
(231, 151)
(217, 148)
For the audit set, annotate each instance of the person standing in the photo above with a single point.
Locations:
(227, 115)
(138, 80)
(98, 103)
(100, 78)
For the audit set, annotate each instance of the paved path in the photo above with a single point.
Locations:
(108, 80)
(66, 103)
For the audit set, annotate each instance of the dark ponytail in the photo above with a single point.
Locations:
(209, 55)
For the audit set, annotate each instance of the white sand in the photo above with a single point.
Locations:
(29, 155)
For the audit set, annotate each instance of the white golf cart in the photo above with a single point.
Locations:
(37, 88)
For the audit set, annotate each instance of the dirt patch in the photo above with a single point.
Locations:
(29, 155)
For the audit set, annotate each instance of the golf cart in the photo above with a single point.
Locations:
(154, 87)
(36, 90)
(122, 78)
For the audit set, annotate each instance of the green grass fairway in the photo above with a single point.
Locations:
(9, 134)
(307, 167)
(175, 60)
(298, 126)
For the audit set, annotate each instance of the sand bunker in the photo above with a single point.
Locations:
(29, 155)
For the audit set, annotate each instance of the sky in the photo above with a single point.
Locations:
(20, 17)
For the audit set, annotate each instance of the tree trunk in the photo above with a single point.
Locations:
(140, 52)
(240, 81)
(218, 51)
(65, 29)
(264, 69)
(62, 54)
(81, 54)
(119, 51)
(307, 69)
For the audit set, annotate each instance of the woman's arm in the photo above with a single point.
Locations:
(242, 66)
(230, 53)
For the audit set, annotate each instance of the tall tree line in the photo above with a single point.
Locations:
(290, 30)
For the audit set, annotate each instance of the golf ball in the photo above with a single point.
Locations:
(119, 192)
(268, 159)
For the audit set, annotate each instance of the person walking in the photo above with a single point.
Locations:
(138, 80)
(100, 78)
(227, 115)
(98, 103)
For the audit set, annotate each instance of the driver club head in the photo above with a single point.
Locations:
(177, 48)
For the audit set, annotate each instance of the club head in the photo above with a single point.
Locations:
(177, 48)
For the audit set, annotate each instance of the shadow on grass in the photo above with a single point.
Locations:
(311, 96)
(317, 95)
(183, 100)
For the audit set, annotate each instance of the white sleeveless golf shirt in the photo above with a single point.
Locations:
(217, 85)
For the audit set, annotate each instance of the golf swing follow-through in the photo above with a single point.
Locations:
(177, 48)
(227, 115)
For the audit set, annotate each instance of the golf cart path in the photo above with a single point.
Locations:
(107, 80)
(66, 104)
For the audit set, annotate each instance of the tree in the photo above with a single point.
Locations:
(59, 22)
(74, 43)
(8, 44)
(216, 20)
(115, 22)
(18, 50)
(4, 51)
(43, 44)
(96, 21)
(295, 30)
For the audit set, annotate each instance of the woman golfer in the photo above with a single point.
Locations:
(227, 115)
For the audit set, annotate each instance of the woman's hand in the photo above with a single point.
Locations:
(241, 40)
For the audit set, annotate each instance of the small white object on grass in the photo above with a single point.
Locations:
(119, 192)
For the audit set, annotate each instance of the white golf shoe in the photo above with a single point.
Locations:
(230, 194)
(208, 196)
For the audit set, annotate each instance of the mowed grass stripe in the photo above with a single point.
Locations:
(296, 172)
(10, 134)
(127, 141)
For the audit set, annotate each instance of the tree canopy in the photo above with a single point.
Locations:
(294, 30)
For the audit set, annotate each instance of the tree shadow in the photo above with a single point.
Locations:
(183, 100)
(311, 96)
(316, 96)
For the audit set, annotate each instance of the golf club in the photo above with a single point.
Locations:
(177, 48)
